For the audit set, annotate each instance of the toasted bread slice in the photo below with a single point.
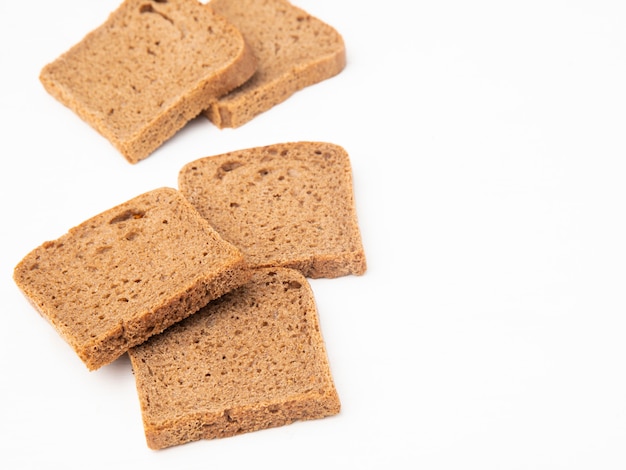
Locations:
(252, 359)
(289, 204)
(128, 273)
(149, 69)
(294, 50)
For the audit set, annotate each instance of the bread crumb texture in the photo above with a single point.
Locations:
(250, 360)
(289, 204)
(128, 273)
(293, 49)
(148, 69)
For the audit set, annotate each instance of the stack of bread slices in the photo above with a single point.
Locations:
(154, 65)
(205, 287)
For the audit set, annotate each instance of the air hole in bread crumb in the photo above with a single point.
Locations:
(230, 166)
(148, 8)
(122, 299)
(226, 168)
(131, 236)
(127, 215)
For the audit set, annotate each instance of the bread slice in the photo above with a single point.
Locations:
(128, 273)
(294, 50)
(289, 204)
(253, 359)
(152, 66)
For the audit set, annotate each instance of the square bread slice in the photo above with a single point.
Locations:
(294, 50)
(252, 359)
(128, 273)
(152, 66)
(289, 204)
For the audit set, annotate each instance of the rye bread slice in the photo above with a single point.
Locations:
(289, 204)
(128, 273)
(293, 48)
(252, 359)
(152, 66)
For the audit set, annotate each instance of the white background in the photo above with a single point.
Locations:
(487, 140)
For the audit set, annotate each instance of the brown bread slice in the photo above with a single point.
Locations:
(289, 204)
(152, 66)
(253, 359)
(128, 273)
(294, 50)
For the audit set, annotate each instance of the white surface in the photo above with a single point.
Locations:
(488, 152)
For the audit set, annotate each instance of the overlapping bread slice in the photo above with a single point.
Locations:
(294, 50)
(252, 359)
(289, 204)
(152, 66)
(128, 273)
